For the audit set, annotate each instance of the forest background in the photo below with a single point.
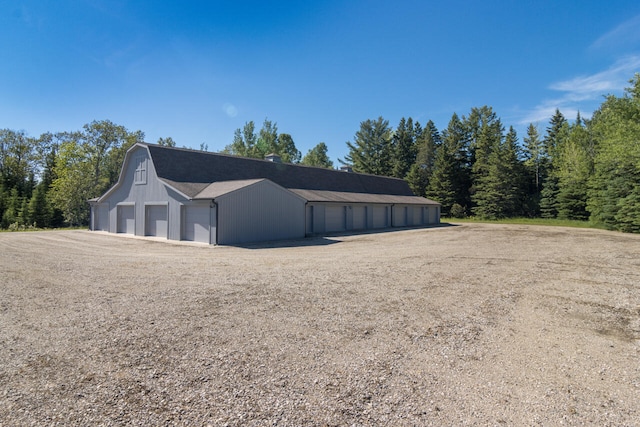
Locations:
(577, 168)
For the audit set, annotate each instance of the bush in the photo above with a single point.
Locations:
(457, 211)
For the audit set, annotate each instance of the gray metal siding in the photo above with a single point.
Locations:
(152, 191)
(260, 212)
(309, 214)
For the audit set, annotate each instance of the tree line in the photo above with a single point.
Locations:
(582, 170)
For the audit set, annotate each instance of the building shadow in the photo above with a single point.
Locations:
(329, 238)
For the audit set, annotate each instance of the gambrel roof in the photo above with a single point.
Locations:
(200, 174)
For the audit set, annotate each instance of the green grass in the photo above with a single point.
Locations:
(528, 221)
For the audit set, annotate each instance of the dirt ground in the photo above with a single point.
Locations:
(471, 324)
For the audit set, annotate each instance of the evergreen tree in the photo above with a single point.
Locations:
(449, 183)
(17, 161)
(11, 213)
(39, 212)
(499, 193)
(485, 134)
(404, 147)
(552, 143)
(613, 195)
(420, 172)
(533, 163)
(574, 165)
(371, 151)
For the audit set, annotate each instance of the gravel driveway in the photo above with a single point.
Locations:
(472, 324)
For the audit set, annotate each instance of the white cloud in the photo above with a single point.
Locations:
(583, 93)
(624, 35)
(615, 78)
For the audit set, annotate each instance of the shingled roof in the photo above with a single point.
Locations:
(191, 171)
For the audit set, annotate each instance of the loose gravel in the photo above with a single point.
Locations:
(470, 324)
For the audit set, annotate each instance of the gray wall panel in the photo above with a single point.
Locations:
(260, 212)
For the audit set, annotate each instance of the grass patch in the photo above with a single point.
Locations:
(529, 221)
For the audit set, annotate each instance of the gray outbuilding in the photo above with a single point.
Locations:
(182, 194)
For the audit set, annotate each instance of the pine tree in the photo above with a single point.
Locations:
(613, 195)
(39, 212)
(11, 213)
(449, 183)
(573, 168)
(420, 173)
(371, 151)
(553, 140)
(404, 147)
(485, 133)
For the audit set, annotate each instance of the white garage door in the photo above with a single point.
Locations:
(102, 219)
(334, 218)
(433, 214)
(359, 217)
(126, 219)
(156, 220)
(380, 217)
(196, 223)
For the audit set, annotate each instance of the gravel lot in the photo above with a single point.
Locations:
(473, 324)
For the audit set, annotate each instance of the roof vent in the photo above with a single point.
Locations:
(346, 168)
(273, 157)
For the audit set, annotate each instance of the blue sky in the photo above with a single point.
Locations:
(198, 70)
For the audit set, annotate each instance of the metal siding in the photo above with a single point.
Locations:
(318, 219)
(153, 191)
(196, 223)
(335, 218)
(260, 212)
(156, 220)
(309, 219)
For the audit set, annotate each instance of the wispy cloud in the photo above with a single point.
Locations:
(612, 79)
(582, 93)
(624, 35)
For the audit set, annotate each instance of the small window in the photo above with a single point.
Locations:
(141, 170)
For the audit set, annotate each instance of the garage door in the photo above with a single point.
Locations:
(380, 217)
(433, 214)
(359, 217)
(102, 217)
(335, 218)
(156, 220)
(196, 223)
(126, 219)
